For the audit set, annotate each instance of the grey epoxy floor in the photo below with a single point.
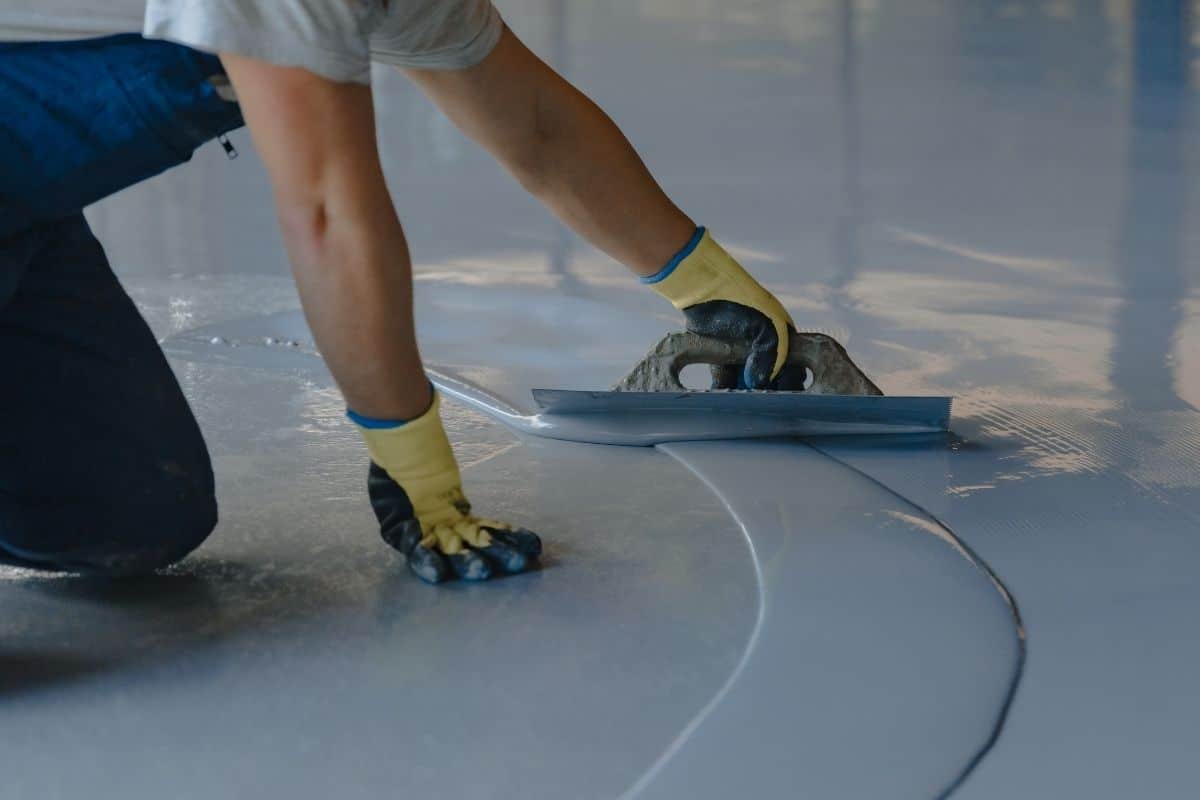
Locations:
(990, 200)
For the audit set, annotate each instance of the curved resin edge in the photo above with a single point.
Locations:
(1006, 595)
(194, 343)
(548, 426)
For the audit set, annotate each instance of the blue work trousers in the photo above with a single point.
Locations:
(102, 466)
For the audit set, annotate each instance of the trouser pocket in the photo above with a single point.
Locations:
(84, 119)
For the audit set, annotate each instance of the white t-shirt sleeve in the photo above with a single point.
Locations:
(327, 37)
(436, 34)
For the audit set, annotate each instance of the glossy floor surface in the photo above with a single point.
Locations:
(985, 200)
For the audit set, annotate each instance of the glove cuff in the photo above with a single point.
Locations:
(703, 271)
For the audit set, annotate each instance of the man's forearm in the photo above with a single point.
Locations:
(565, 150)
(593, 179)
(355, 284)
(346, 245)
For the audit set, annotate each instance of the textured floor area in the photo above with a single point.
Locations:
(989, 200)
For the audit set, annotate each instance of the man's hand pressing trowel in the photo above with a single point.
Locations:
(740, 330)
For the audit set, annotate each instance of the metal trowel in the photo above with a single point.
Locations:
(838, 398)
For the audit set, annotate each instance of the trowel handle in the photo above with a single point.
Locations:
(832, 370)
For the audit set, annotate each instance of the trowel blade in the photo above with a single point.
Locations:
(782, 413)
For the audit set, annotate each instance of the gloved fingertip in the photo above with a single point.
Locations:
(428, 565)
(757, 372)
(523, 540)
(470, 565)
(530, 542)
(509, 559)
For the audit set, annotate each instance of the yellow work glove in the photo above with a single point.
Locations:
(720, 299)
(416, 491)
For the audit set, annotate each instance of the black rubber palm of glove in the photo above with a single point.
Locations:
(510, 551)
(734, 322)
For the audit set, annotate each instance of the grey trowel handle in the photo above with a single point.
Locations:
(832, 370)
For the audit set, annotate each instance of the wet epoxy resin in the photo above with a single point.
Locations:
(983, 200)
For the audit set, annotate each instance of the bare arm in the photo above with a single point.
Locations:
(565, 150)
(340, 228)
(572, 157)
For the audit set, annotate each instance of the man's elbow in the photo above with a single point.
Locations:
(305, 223)
(349, 226)
(531, 159)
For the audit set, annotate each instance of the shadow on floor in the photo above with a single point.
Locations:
(58, 629)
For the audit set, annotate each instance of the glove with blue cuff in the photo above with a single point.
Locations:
(720, 299)
(416, 492)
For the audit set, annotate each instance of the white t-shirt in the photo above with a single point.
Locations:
(335, 38)
(29, 20)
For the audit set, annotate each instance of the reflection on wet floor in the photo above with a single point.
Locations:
(983, 199)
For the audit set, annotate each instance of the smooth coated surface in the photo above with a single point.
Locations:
(986, 200)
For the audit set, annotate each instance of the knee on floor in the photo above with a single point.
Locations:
(163, 535)
(152, 527)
